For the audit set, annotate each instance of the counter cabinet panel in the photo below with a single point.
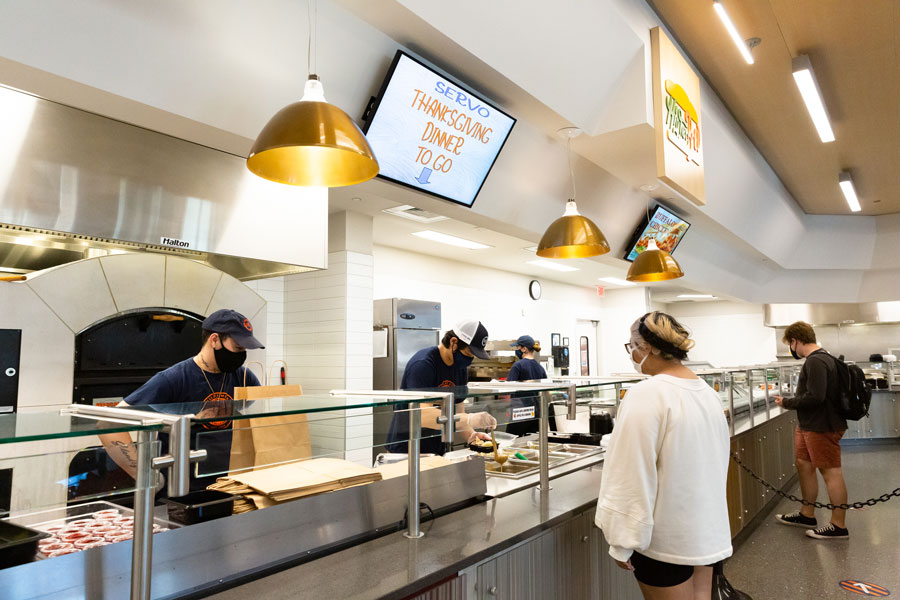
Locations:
(768, 450)
(883, 420)
(570, 561)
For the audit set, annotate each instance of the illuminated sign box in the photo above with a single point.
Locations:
(433, 134)
(676, 107)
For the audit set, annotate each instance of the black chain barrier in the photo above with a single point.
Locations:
(829, 506)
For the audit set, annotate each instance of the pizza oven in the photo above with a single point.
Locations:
(118, 355)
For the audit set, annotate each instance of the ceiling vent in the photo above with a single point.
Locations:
(414, 214)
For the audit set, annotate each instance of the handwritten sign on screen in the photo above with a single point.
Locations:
(431, 134)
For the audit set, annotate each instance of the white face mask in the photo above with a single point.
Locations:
(639, 366)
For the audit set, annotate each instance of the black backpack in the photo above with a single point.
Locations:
(855, 395)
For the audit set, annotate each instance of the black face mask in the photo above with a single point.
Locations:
(228, 361)
(794, 354)
(519, 354)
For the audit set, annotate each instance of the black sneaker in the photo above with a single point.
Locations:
(797, 520)
(829, 532)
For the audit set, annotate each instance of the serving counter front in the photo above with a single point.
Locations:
(293, 508)
(516, 533)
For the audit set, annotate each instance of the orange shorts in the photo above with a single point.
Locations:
(823, 450)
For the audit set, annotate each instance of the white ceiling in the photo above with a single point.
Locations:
(507, 253)
(151, 68)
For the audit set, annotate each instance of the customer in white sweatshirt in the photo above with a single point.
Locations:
(662, 505)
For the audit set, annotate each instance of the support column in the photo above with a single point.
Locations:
(328, 334)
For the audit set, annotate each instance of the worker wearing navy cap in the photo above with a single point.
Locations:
(204, 384)
(526, 368)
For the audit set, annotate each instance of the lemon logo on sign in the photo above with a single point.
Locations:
(682, 122)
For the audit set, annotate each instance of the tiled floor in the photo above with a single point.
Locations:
(780, 562)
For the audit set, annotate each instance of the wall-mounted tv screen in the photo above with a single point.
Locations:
(433, 134)
(666, 227)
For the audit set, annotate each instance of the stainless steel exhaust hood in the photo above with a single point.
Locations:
(75, 185)
(782, 315)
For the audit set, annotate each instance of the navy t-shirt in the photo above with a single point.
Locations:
(523, 370)
(526, 369)
(426, 370)
(184, 383)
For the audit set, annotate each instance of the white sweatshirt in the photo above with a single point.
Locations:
(663, 487)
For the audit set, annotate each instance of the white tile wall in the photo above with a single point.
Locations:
(326, 341)
(272, 291)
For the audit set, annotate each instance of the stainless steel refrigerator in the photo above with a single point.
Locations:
(405, 326)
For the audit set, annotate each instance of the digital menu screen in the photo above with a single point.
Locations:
(665, 227)
(434, 135)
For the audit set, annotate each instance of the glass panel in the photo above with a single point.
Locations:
(52, 424)
(274, 459)
(217, 411)
(64, 484)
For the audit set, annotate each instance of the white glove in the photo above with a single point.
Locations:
(481, 420)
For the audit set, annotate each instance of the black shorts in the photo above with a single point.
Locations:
(659, 574)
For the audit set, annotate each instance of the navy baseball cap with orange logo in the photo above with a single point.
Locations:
(234, 325)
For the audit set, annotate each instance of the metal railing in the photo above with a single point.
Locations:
(178, 463)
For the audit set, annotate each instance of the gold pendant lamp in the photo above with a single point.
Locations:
(312, 142)
(572, 235)
(654, 264)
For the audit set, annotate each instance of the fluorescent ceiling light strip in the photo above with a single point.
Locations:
(452, 240)
(849, 191)
(733, 32)
(546, 264)
(812, 97)
(709, 296)
(617, 281)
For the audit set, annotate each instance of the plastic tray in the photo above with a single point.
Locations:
(197, 507)
(18, 544)
(56, 517)
(65, 514)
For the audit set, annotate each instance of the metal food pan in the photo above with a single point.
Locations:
(534, 446)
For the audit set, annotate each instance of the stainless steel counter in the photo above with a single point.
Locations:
(395, 567)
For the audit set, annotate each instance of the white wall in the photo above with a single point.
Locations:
(621, 309)
(727, 333)
(272, 290)
(500, 300)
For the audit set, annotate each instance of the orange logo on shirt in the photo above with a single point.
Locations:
(218, 404)
(447, 383)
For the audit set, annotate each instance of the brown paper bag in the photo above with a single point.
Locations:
(265, 441)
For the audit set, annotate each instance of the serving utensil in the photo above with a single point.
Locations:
(500, 458)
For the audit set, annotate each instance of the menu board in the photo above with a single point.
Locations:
(667, 229)
(434, 135)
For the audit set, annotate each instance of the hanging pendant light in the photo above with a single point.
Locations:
(654, 264)
(312, 142)
(572, 235)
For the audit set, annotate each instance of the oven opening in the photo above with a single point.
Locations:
(113, 358)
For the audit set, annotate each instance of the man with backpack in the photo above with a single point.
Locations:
(818, 401)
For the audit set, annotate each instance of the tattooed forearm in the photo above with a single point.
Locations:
(122, 451)
(127, 451)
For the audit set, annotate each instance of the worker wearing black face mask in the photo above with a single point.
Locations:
(443, 366)
(203, 385)
(525, 369)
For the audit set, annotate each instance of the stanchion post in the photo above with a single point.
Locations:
(544, 443)
(142, 545)
(412, 511)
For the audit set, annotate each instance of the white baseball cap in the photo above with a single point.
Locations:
(475, 335)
